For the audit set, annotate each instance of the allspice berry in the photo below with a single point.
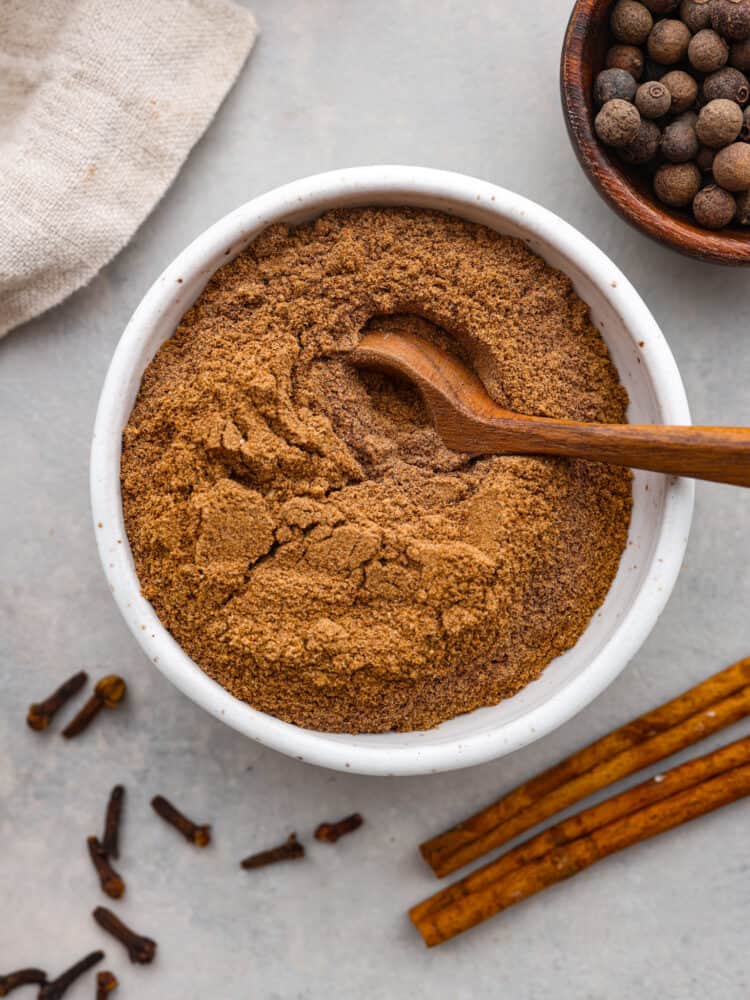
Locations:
(745, 130)
(631, 22)
(731, 18)
(713, 207)
(653, 99)
(743, 208)
(707, 51)
(679, 143)
(739, 55)
(683, 88)
(617, 123)
(728, 83)
(614, 83)
(644, 147)
(676, 184)
(696, 14)
(719, 123)
(627, 57)
(668, 41)
(732, 167)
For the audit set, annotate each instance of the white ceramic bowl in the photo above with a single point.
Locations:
(662, 506)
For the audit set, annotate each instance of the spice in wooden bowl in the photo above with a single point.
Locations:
(624, 177)
(697, 106)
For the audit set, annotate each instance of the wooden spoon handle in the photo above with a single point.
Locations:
(468, 420)
(719, 454)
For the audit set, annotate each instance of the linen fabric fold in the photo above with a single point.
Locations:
(100, 103)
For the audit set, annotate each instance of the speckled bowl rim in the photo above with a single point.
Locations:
(385, 754)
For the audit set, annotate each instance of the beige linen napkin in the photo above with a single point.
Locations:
(100, 103)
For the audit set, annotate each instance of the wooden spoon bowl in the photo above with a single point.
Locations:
(627, 189)
(469, 421)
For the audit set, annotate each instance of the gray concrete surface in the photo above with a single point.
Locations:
(471, 87)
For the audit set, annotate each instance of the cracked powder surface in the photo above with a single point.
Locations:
(297, 524)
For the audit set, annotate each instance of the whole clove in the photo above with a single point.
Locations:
(192, 832)
(140, 949)
(108, 693)
(106, 982)
(288, 851)
(21, 977)
(55, 988)
(110, 842)
(110, 881)
(41, 713)
(330, 832)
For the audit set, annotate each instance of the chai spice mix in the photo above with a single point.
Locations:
(298, 525)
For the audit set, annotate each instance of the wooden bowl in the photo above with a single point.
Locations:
(627, 189)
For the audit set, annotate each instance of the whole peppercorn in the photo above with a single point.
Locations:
(676, 184)
(631, 22)
(732, 167)
(683, 88)
(743, 208)
(627, 57)
(745, 130)
(705, 159)
(653, 99)
(661, 7)
(696, 14)
(707, 51)
(719, 123)
(668, 41)
(713, 207)
(614, 83)
(727, 83)
(679, 143)
(644, 147)
(617, 123)
(739, 55)
(731, 18)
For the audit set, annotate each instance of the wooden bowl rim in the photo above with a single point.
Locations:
(721, 247)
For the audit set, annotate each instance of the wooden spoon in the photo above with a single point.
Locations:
(469, 421)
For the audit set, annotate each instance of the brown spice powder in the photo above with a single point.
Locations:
(297, 524)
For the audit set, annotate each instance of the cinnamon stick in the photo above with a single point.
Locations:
(438, 923)
(717, 702)
(693, 772)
